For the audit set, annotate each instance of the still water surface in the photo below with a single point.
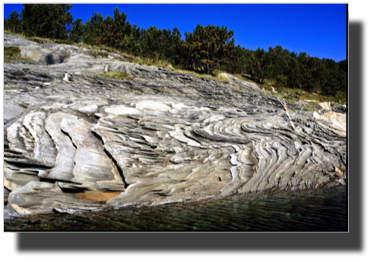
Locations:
(310, 210)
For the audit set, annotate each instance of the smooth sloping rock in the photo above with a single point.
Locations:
(36, 197)
(44, 150)
(41, 55)
(64, 163)
(16, 177)
(92, 166)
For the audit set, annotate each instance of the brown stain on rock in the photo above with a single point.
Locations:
(95, 196)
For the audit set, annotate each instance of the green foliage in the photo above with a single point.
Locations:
(77, 31)
(207, 48)
(111, 31)
(118, 75)
(293, 71)
(66, 42)
(99, 55)
(93, 29)
(11, 51)
(13, 23)
(237, 60)
(13, 54)
(47, 20)
(280, 82)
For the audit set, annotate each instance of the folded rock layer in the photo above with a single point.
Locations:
(90, 143)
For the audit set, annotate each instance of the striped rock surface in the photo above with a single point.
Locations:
(92, 143)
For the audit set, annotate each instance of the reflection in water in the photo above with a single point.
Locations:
(312, 210)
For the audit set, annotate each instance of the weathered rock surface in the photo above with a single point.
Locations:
(40, 54)
(92, 142)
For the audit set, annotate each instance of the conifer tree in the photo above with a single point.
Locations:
(77, 30)
(119, 28)
(5, 24)
(46, 20)
(208, 47)
(304, 72)
(93, 29)
(28, 20)
(131, 41)
(13, 22)
(280, 82)
(173, 52)
(237, 60)
(293, 70)
(60, 19)
(257, 65)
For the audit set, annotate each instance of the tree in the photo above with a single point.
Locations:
(208, 47)
(77, 30)
(280, 82)
(256, 65)
(46, 20)
(29, 21)
(332, 84)
(5, 24)
(93, 28)
(304, 72)
(343, 74)
(314, 71)
(237, 60)
(119, 28)
(131, 42)
(293, 70)
(60, 19)
(343, 66)
(13, 22)
(175, 44)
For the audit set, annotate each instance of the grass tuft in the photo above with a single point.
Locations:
(13, 54)
(117, 75)
(99, 55)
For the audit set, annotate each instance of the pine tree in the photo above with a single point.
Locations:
(280, 82)
(28, 20)
(256, 65)
(46, 20)
(119, 28)
(13, 22)
(77, 30)
(294, 70)
(131, 41)
(208, 47)
(5, 24)
(237, 60)
(304, 72)
(60, 19)
(93, 29)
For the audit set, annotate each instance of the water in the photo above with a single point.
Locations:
(310, 210)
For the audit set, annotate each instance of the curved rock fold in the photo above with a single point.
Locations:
(93, 143)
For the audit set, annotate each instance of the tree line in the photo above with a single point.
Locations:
(205, 50)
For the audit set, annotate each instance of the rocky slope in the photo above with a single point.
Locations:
(83, 142)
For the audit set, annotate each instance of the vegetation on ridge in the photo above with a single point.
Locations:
(205, 51)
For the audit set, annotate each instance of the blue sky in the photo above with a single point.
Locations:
(317, 29)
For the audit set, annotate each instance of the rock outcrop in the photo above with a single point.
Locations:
(90, 143)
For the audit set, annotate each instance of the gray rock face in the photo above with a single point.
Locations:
(41, 55)
(91, 143)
